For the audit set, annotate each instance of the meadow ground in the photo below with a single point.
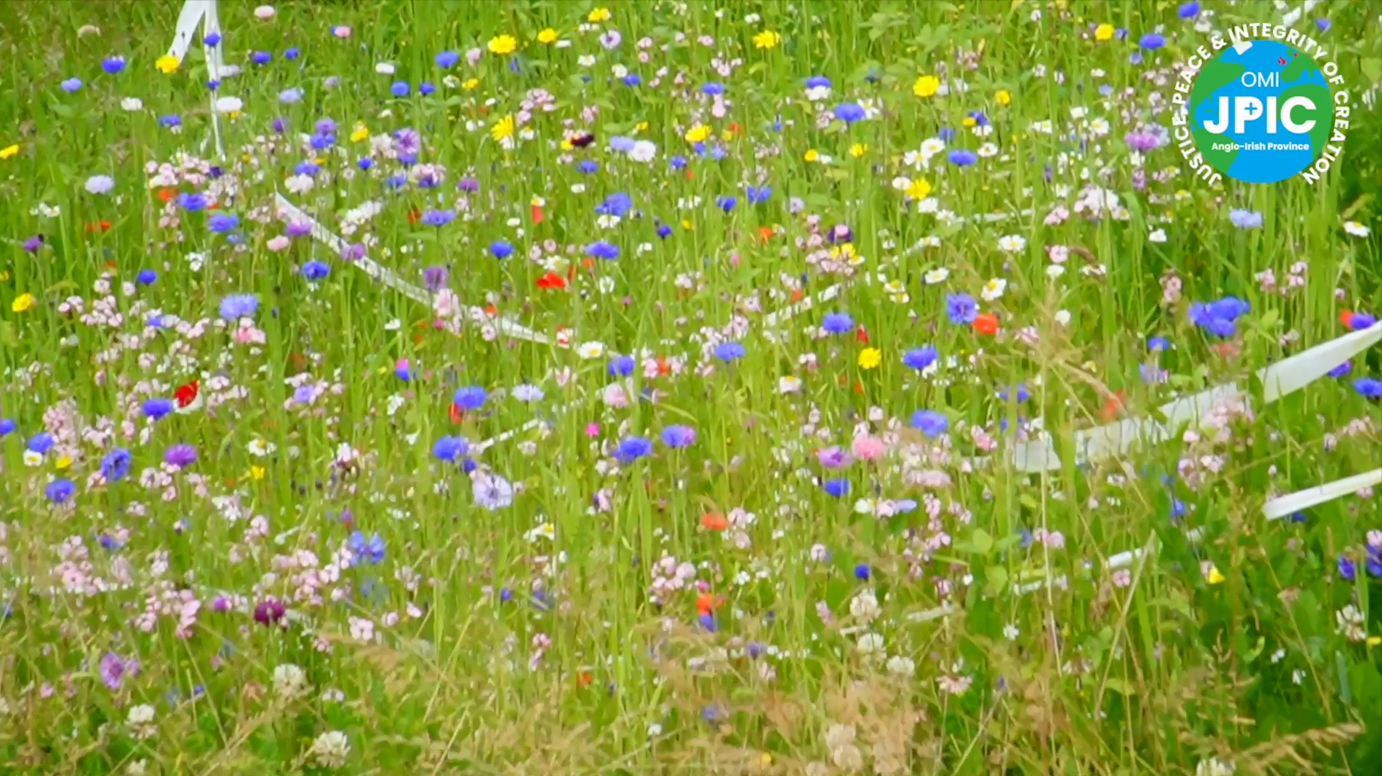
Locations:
(260, 512)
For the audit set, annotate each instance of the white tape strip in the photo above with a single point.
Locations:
(388, 277)
(195, 12)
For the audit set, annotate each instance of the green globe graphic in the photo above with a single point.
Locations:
(1271, 107)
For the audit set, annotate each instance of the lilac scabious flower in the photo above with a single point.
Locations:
(491, 491)
(180, 456)
(114, 669)
(1245, 219)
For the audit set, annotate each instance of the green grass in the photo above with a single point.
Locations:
(442, 657)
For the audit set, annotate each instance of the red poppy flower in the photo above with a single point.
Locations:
(707, 603)
(455, 413)
(414, 216)
(98, 226)
(491, 310)
(714, 521)
(862, 335)
(537, 214)
(765, 233)
(166, 195)
(187, 393)
(986, 324)
(1113, 406)
(1346, 318)
(583, 679)
(663, 367)
(551, 281)
(798, 295)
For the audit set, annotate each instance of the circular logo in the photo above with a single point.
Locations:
(1261, 111)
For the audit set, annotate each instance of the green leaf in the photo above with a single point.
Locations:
(1121, 687)
(981, 541)
(997, 580)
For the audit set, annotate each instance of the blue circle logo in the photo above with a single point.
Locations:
(1261, 111)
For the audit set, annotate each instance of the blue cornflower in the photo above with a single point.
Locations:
(261, 57)
(59, 491)
(400, 89)
(758, 195)
(113, 65)
(588, 166)
(664, 231)
(862, 572)
(1323, 24)
(315, 270)
(369, 551)
(438, 218)
(1369, 387)
(426, 87)
(1158, 344)
(946, 134)
(712, 88)
(1341, 369)
(212, 39)
(146, 277)
(1361, 321)
(292, 53)
(168, 122)
(920, 358)
(729, 351)
(849, 112)
(7, 427)
(603, 250)
(450, 448)
(621, 366)
(290, 96)
(1152, 41)
(158, 408)
(1346, 569)
(1245, 219)
(447, 59)
(41, 443)
(632, 79)
(364, 163)
(838, 323)
(631, 449)
(726, 203)
(71, 85)
(1022, 393)
(930, 423)
(961, 308)
(1188, 10)
(836, 488)
(115, 466)
(192, 202)
(222, 222)
(617, 204)
(501, 249)
(470, 398)
(962, 157)
(678, 436)
(677, 162)
(237, 306)
(818, 82)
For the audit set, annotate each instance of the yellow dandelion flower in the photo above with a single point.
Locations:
(504, 44)
(547, 36)
(870, 358)
(687, 225)
(167, 64)
(1103, 33)
(919, 189)
(22, 302)
(502, 128)
(858, 149)
(698, 134)
(641, 126)
(970, 122)
(65, 462)
(599, 15)
(766, 39)
(360, 134)
(926, 86)
(811, 155)
(1003, 97)
(470, 84)
(6, 153)
(257, 472)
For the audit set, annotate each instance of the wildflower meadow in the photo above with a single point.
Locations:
(680, 386)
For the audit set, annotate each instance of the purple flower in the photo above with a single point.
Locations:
(833, 457)
(611, 39)
(1188, 10)
(1245, 219)
(1141, 142)
(862, 572)
(113, 65)
(729, 351)
(468, 184)
(1152, 41)
(962, 157)
(315, 271)
(33, 243)
(115, 466)
(1346, 569)
(114, 669)
(678, 436)
(71, 85)
(470, 398)
(180, 456)
(434, 278)
(60, 491)
(1369, 387)
(407, 141)
(269, 611)
(438, 218)
(961, 308)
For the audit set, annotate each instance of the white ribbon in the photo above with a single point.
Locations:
(203, 12)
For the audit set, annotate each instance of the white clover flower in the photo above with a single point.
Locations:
(290, 682)
(330, 749)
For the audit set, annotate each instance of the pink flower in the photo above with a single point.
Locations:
(341, 31)
(279, 243)
(869, 448)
